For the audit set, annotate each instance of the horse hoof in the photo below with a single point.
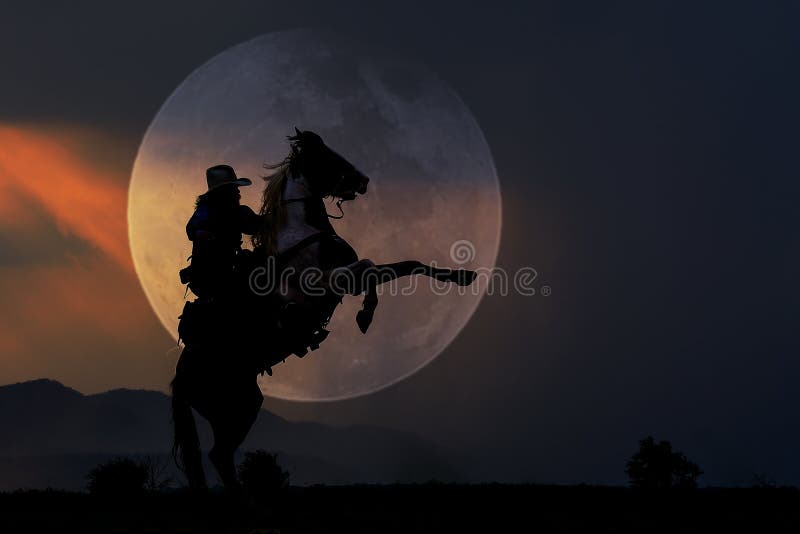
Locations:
(363, 320)
(461, 277)
(465, 277)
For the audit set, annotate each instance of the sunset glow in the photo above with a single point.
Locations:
(83, 201)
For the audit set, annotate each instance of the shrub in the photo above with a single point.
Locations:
(120, 476)
(261, 475)
(125, 476)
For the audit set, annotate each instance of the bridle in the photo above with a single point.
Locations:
(312, 197)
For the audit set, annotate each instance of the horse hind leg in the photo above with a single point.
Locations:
(186, 444)
(222, 458)
(230, 432)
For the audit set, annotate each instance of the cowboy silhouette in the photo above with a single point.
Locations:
(216, 229)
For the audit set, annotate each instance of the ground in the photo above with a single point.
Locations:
(434, 508)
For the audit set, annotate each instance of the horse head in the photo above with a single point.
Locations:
(328, 173)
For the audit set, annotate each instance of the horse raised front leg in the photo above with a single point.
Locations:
(390, 271)
(461, 277)
(372, 275)
(367, 312)
(364, 276)
(354, 279)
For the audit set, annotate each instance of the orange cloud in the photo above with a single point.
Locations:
(85, 201)
(70, 312)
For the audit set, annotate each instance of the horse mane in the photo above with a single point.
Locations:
(273, 210)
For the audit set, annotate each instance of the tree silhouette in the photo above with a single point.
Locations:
(261, 475)
(657, 466)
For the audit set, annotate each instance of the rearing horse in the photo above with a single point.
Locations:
(287, 290)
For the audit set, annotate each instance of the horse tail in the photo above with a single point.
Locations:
(185, 442)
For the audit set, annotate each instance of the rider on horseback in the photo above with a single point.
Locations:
(216, 372)
(216, 229)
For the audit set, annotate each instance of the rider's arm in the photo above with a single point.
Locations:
(249, 222)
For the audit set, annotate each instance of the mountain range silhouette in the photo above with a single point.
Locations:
(53, 435)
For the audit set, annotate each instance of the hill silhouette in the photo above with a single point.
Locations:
(52, 435)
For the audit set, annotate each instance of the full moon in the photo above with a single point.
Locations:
(433, 192)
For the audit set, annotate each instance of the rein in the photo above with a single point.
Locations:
(305, 199)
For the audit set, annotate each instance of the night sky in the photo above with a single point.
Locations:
(647, 155)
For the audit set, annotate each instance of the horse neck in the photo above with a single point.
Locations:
(303, 218)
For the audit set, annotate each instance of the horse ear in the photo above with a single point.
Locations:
(294, 140)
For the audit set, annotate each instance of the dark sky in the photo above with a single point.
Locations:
(647, 154)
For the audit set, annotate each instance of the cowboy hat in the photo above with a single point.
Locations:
(220, 175)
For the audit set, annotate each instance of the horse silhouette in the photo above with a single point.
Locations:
(285, 291)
